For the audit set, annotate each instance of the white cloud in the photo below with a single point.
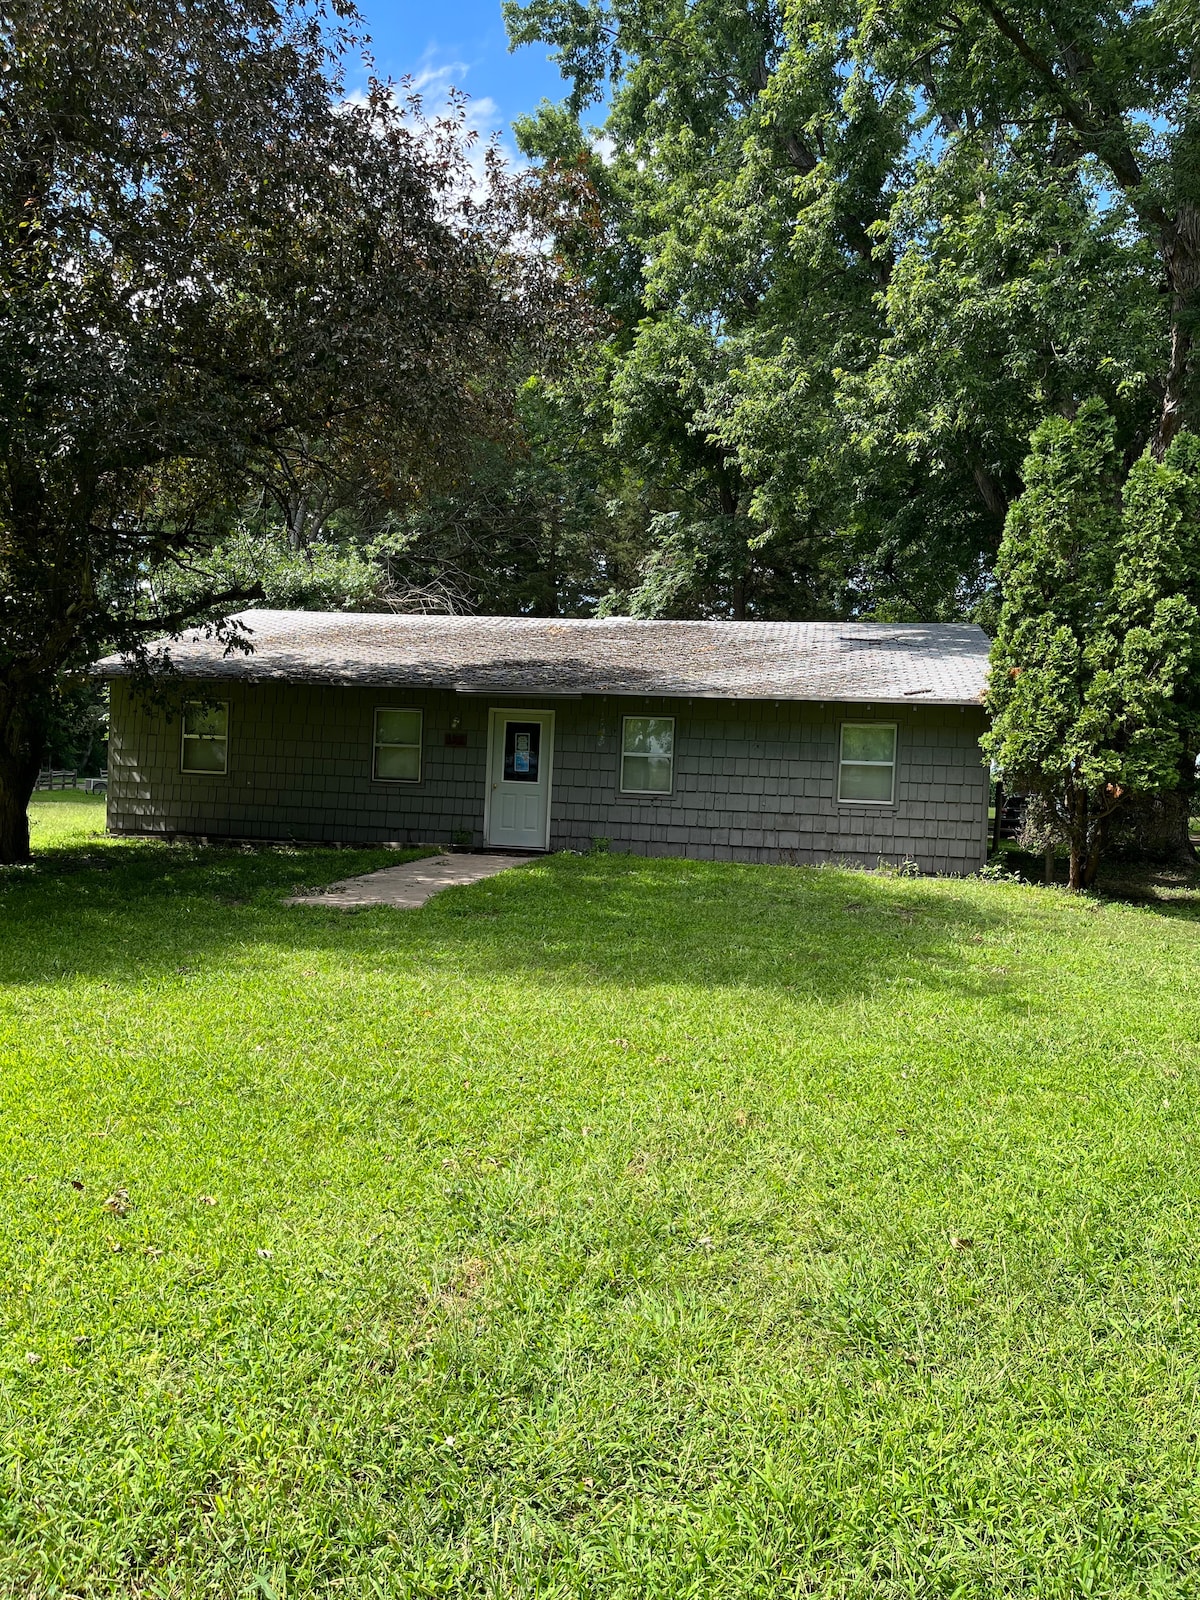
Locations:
(436, 79)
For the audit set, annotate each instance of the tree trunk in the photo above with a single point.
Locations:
(22, 735)
(1090, 868)
(990, 492)
(729, 504)
(1092, 864)
(1079, 841)
(1181, 261)
(17, 779)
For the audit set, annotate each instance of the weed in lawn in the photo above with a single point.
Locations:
(622, 1227)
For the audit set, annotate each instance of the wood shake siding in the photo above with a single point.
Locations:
(754, 780)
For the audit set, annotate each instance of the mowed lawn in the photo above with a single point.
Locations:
(609, 1228)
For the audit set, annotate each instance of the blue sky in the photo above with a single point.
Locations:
(461, 43)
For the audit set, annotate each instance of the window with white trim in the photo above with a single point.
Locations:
(647, 755)
(867, 768)
(397, 745)
(204, 742)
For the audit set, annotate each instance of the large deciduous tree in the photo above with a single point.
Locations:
(893, 237)
(222, 277)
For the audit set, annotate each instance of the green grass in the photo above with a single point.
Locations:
(611, 1227)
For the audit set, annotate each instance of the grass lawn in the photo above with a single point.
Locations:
(611, 1228)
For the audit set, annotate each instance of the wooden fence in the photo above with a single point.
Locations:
(56, 778)
(60, 778)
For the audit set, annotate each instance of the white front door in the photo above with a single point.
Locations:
(520, 756)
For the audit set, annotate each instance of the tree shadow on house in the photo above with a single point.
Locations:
(129, 914)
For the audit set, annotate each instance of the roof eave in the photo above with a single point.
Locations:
(188, 672)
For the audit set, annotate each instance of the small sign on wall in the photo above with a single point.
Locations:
(456, 741)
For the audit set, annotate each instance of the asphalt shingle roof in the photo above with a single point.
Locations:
(935, 663)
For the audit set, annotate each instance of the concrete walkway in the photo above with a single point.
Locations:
(408, 885)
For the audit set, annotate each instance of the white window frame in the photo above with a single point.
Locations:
(893, 763)
(377, 744)
(185, 736)
(645, 794)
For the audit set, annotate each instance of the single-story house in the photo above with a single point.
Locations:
(748, 741)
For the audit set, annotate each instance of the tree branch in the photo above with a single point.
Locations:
(1105, 137)
(173, 622)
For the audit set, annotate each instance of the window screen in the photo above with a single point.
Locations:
(205, 745)
(867, 770)
(648, 755)
(398, 746)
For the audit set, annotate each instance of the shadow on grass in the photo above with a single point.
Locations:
(132, 912)
(1173, 890)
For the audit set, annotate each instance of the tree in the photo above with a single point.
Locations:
(912, 231)
(1090, 687)
(530, 528)
(224, 280)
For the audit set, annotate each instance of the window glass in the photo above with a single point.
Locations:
(398, 727)
(205, 741)
(867, 770)
(866, 783)
(206, 721)
(866, 741)
(398, 745)
(648, 755)
(522, 751)
(399, 762)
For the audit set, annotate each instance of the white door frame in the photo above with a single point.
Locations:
(498, 715)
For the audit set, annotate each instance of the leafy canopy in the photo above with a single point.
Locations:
(226, 282)
(885, 241)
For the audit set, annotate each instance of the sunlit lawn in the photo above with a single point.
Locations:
(612, 1227)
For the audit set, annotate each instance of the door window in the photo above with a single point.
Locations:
(522, 751)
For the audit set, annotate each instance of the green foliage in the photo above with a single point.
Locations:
(854, 257)
(1090, 687)
(77, 728)
(613, 1226)
(226, 284)
(531, 528)
(321, 576)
